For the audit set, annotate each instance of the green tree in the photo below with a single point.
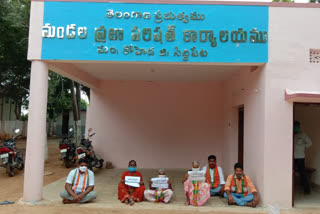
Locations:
(14, 66)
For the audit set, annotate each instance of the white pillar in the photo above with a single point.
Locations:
(37, 135)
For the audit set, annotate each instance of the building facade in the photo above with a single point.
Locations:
(172, 78)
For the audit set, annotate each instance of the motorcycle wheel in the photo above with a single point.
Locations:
(67, 162)
(20, 166)
(99, 164)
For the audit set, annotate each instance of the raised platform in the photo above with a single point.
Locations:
(107, 190)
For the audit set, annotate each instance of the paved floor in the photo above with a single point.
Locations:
(307, 201)
(107, 190)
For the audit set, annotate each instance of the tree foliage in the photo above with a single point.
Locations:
(60, 96)
(14, 66)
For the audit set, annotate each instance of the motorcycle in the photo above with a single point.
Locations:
(85, 150)
(68, 150)
(10, 156)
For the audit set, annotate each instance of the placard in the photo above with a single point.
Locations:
(197, 175)
(133, 181)
(160, 183)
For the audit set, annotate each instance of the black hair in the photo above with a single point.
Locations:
(132, 161)
(296, 123)
(238, 165)
(212, 157)
(82, 160)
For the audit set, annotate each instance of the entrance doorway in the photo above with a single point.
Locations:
(308, 115)
(240, 134)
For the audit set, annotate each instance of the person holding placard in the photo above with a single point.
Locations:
(196, 189)
(237, 189)
(160, 189)
(131, 187)
(214, 176)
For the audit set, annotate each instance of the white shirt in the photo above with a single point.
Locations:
(301, 143)
(79, 187)
(221, 176)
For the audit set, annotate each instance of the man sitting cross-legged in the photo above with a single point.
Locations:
(79, 185)
(214, 176)
(237, 188)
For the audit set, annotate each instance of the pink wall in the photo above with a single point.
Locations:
(246, 88)
(291, 37)
(159, 124)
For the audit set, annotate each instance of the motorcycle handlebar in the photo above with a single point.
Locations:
(14, 138)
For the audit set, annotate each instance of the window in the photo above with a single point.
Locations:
(314, 55)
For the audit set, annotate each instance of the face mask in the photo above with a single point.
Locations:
(161, 176)
(132, 169)
(239, 176)
(195, 169)
(83, 168)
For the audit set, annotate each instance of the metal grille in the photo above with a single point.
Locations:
(314, 56)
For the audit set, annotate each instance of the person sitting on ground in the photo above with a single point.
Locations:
(156, 194)
(129, 194)
(197, 191)
(237, 189)
(214, 176)
(79, 185)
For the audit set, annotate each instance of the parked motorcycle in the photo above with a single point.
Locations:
(10, 156)
(68, 149)
(85, 150)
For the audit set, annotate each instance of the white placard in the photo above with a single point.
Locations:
(197, 175)
(161, 183)
(132, 181)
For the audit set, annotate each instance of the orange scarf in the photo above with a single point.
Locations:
(244, 185)
(84, 182)
(216, 177)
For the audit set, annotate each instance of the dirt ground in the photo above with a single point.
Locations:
(13, 192)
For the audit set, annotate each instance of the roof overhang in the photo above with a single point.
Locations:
(302, 96)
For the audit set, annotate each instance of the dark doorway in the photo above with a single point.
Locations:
(240, 134)
(308, 115)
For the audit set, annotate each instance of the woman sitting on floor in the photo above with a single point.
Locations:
(131, 192)
(197, 190)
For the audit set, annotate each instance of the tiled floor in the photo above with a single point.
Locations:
(107, 190)
(301, 200)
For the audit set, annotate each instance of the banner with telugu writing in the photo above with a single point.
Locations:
(155, 32)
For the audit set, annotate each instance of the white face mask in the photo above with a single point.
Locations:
(162, 176)
(83, 168)
(195, 169)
